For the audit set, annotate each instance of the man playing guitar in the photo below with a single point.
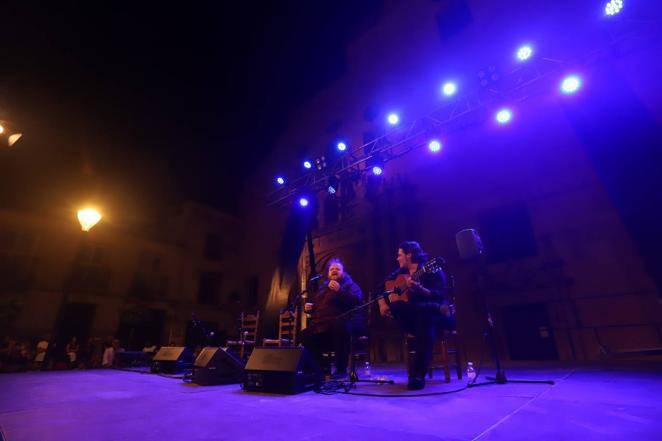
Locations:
(416, 299)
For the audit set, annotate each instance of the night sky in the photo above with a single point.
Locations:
(139, 107)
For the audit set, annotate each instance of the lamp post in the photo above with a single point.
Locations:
(88, 217)
(12, 136)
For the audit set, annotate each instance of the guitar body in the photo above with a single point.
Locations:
(397, 289)
(399, 285)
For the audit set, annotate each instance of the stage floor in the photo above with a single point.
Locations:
(587, 402)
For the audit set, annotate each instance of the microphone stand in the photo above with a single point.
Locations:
(500, 376)
(291, 307)
(353, 376)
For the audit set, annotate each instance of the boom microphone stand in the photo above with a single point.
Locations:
(471, 248)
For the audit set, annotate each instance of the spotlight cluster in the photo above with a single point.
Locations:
(613, 7)
(371, 160)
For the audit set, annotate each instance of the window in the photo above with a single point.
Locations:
(209, 287)
(89, 273)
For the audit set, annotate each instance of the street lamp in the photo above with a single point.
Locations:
(7, 130)
(13, 138)
(88, 217)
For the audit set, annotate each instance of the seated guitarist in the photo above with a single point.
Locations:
(424, 314)
(337, 294)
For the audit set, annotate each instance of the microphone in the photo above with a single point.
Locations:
(316, 277)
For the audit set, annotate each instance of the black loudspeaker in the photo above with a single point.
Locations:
(217, 366)
(172, 360)
(281, 371)
(469, 244)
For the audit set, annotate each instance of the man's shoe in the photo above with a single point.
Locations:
(416, 383)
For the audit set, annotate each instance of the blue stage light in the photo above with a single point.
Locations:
(571, 84)
(280, 180)
(434, 146)
(504, 116)
(303, 202)
(307, 164)
(449, 88)
(393, 119)
(613, 7)
(524, 53)
(342, 146)
(377, 170)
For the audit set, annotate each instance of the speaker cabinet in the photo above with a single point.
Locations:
(281, 370)
(172, 360)
(217, 366)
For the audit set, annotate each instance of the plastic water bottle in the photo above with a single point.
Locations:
(471, 373)
(366, 370)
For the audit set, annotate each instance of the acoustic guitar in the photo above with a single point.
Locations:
(397, 290)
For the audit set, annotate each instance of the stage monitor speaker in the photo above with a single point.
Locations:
(172, 360)
(469, 244)
(217, 366)
(281, 370)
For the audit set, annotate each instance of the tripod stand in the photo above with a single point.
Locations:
(500, 376)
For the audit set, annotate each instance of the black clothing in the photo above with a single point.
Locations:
(424, 317)
(327, 332)
(328, 304)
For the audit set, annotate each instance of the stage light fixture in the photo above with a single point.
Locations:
(332, 184)
(307, 164)
(571, 84)
(434, 146)
(524, 53)
(280, 180)
(449, 88)
(393, 119)
(377, 170)
(489, 76)
(613, 7)
(320, 163)
(342, 146)
(303, 202)
(504, 116)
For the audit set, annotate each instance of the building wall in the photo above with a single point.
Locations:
(134, 270)
(586, 270)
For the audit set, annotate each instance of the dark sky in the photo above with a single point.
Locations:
(141, 106)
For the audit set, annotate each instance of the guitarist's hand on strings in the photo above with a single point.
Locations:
(416, 288)
(384, 310)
